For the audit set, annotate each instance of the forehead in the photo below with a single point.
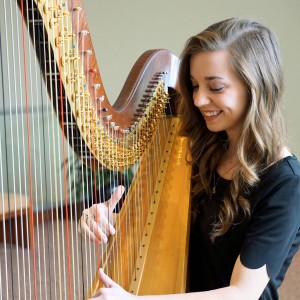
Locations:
(207, 64)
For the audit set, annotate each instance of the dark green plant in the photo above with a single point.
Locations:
(89, 184)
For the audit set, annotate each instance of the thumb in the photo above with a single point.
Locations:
(115, 198)
(106, 280)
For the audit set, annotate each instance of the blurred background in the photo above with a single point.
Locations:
(123, 30)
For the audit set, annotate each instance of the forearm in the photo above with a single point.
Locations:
(232, 292)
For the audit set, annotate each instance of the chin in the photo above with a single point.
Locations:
(214, 128)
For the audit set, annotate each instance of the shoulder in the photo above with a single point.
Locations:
(288, 167)
(279, 188)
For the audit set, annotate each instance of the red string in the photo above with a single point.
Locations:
(32, 241)
(65, 181)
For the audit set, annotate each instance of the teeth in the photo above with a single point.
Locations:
(211, 113)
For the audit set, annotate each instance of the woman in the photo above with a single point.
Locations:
(246, 183)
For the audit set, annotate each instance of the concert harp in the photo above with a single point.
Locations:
(54, 107)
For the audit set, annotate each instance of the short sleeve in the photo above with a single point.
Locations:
(273, 226)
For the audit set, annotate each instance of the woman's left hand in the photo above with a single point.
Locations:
(111, 291)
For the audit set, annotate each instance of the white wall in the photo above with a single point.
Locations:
(123, 30)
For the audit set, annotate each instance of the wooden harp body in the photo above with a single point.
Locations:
(56, 93)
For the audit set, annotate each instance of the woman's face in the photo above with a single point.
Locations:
(218, 92)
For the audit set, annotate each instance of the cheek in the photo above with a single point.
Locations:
(237, 103)
(244, 103)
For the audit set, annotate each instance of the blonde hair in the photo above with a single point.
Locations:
(254, 55)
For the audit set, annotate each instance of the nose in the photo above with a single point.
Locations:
(200, 98)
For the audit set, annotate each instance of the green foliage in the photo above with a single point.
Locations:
(83, 181)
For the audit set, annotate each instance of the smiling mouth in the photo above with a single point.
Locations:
(211, 113)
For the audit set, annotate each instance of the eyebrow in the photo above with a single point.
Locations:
(209, 78)
(213, 77)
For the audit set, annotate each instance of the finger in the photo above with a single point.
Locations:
(115, 198)
(106, 280)
(103, 227)
(98, 222)
(92, 230)
(98, 231)
(98, 293)
(89, 233)
(112, 230)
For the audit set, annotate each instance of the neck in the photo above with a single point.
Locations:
(232, 141)
(228, 163)
(231, 151)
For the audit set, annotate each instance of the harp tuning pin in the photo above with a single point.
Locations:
(62, 37)
(93, 70)
(84, 32)
(47, 9)
(88, 52)
(65, 34)
(107, 118)
(101, 99)
(71, 53)
(78, 8)
(73, 77)
(149, 91)
(53, 23)
(69, 58)
(59, 13)
(97, 86)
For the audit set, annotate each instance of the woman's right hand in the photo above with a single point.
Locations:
(96, 221)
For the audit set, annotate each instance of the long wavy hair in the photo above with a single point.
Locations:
(254, 56)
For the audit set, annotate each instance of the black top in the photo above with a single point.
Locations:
(270, 236)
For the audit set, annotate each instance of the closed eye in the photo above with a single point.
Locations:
(216, 90)
(195, 87)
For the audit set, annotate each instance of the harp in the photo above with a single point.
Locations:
(54, 109)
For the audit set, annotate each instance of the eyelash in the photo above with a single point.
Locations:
(217, 90)
(211, 89)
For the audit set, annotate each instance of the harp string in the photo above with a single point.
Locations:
(50, 71)
(13, 148)
(73, 248)
(74, 259)
(93, 249)
(2, 173)
(59, 187)
(39, 158)
(37, 101)
(74, 237)
(27, 217)
(84, 169)
(66, 233)
(90, 247)
(12, 199)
